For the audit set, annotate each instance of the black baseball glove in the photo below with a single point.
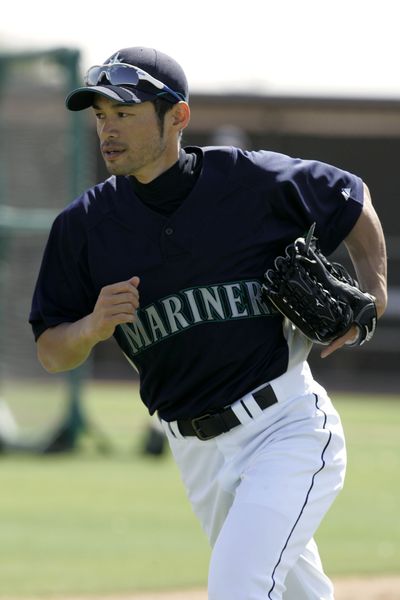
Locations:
(320, 298)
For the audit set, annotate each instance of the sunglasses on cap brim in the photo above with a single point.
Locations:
(125, 74)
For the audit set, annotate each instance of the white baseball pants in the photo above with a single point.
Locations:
(262, 489)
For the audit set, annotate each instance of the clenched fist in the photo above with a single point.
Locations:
(117, 303)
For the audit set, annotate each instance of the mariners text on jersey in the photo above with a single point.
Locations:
(175, 313)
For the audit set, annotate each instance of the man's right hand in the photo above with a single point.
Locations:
(117, 303)
(68, 345)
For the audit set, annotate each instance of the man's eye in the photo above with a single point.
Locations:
(99, 116)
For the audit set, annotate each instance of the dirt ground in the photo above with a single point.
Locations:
(387, 588)
(368, 588)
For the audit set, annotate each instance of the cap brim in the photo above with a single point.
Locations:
(82, 98)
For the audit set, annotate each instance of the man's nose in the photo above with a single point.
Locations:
(109, 128)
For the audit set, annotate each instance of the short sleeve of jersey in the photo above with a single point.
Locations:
(308, 191)
(63, 290)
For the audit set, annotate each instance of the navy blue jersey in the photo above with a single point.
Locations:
(203, 336)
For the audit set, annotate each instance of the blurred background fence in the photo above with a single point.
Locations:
(44, 163)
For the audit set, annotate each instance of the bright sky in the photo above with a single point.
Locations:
(322, 47)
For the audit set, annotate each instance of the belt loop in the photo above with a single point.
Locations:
(252, 405)
(171, 428)
(246, 409)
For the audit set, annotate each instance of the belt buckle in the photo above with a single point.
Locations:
(197, 428)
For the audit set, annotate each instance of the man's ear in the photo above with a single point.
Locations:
(180, 115)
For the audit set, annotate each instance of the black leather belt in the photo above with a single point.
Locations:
(212, 424)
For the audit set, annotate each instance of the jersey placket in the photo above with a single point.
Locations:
(172, 247)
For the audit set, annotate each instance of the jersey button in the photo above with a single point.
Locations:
(169, 231)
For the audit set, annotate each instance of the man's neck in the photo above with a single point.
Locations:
(159, 166)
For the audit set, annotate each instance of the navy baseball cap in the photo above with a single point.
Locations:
(131, 76)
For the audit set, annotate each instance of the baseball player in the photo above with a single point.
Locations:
(168, 256)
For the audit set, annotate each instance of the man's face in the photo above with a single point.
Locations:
(130, 138)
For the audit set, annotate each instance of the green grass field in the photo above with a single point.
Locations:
(92, 522)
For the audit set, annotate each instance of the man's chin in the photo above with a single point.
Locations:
(115, 169)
